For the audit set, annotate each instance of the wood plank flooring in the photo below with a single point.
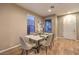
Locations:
(61, 46)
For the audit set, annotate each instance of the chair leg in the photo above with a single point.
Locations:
(52, 44)
(35, 51)
(26, 52)
(46, 50)
(22, 52)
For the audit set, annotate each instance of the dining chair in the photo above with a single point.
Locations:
(46, 42)
(33, 33)
(26, 47)
(52, 42)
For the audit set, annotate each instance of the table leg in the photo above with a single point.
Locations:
(38, 47)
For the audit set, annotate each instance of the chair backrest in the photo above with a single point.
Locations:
(34, 33)
(23, 42)
(49, 39)
(46, 33)
(26, 39)
(52, 37)
(52, 41)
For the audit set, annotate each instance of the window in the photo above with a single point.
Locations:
(48, 25)
(30, 24)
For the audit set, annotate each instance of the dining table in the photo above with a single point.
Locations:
(37, 38)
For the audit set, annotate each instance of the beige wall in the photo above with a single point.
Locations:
(60, 25)
(54, 18)
(77, 23)
(12, 24)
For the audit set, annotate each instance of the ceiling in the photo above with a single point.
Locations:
(59, 8)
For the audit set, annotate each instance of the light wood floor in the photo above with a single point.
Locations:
(61, 47)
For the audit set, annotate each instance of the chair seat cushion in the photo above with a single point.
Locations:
(44, 43)
(29, 46)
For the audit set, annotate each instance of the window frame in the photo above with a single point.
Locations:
(45, 25)
(28, 22)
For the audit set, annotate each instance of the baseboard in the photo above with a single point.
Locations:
(68, 39)
(9, 48)
(58, 37)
